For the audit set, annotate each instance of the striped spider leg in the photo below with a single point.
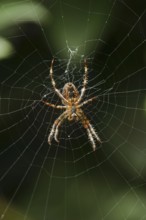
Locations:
(90, 129)
(55, 127)
(85, 80)
(54, 83)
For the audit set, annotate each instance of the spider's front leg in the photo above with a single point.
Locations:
(84, 82)
(54, 83)
(55, 127)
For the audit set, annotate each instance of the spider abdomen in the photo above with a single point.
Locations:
(73, 109)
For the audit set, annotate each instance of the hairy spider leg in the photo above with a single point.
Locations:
(91, 139)
(55, 124)
(54, 106)
(54, 84)
(57, 130)
(84, 82)
(87, 101)
(94, 133)
(90, 130)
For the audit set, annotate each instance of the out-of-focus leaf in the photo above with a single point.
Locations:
(11, 14)
(6, 48)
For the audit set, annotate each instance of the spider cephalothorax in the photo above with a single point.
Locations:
(71, 100)
(70, 91)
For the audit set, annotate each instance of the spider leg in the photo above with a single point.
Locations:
(94, 133)
(55, 125)
(91, 139)
(87, 101)
(90, 130)
(54, 84)
(84, 82)
(54, 106)
(57, 131)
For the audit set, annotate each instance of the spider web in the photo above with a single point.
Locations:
(68, 180)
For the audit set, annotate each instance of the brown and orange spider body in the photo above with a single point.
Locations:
(71, 100)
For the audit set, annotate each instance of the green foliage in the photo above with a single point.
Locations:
(12, 14)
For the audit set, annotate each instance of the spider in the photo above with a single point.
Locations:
(71, 100)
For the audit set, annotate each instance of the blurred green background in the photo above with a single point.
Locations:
(72, 182)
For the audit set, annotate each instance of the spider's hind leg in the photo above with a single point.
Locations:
(55, 127)
(94, 133)
(57, 131)
(90, 131)
(91, 139)
(51, 133)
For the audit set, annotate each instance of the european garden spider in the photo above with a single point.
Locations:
(71, 100)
